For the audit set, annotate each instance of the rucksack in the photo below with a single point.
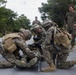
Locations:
(8, 42)
(62, 37)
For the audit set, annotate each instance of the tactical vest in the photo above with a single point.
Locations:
(8, 42)
(62, 37)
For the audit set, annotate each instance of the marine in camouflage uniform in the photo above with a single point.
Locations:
(71, 22)
(36, 21)
(39, 36)
(12, 44)
(49, 50)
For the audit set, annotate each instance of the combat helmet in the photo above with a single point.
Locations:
(47, 23)
(26, 33)
(34, 27)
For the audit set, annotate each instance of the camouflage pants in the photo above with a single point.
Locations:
(73, 40)
(73, 32)
(48, 56)
(10, 60)
(61, 58)
(28, 61)
(62, 62)
(73, 36)
(24, 63)
(6, 64)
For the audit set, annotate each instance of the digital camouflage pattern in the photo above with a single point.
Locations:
(71, 21)
(50, 52)
(12, 57)
(39, 36)
(36, 21)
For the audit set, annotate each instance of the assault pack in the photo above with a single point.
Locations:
(61, 37)
(8, 42)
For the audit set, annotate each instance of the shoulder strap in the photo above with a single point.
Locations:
(53, 42)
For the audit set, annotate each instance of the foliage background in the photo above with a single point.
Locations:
(53, 9)
(10, 21)
(56, 10)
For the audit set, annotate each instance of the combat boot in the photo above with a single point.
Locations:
(32, 62)
(51, 68)
(20, 63)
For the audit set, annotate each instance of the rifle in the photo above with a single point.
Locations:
(36, 39)
(39, 66)
(37, 45)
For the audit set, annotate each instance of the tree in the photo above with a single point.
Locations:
(2, 2)
(7, 17)
(22, 22)
(56, 10)
(9, 20)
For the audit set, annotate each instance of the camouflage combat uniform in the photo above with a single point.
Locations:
(13, 58)
(70, 21)
(53, 51)
(49, 51)
(39, 37)
(36, 22)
